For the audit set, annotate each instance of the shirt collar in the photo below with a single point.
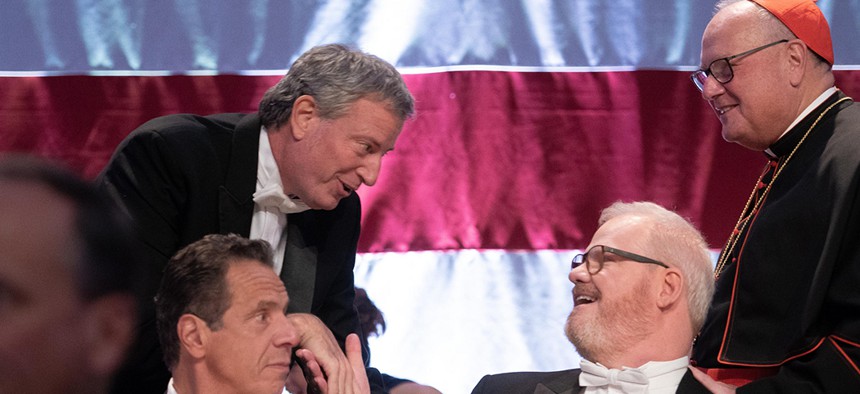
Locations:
(267, 167)
(171, 389)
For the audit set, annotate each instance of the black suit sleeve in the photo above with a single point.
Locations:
(153, 176)
(337, 237)
(149, 186)
(481, 388)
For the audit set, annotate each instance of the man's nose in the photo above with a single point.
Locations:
(712, 88)
(369, 171)
(579, 274)
(286, 335)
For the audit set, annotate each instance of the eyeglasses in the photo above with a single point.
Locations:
(721, 69)
(595, 257)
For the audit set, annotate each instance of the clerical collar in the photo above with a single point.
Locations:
(785, 143)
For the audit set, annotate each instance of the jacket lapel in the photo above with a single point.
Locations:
(237, 210)
(567, 383)
(689, 384)
(236, 194)
(300, 264)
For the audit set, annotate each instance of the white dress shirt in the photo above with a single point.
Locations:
(170, 388)
(268, 223)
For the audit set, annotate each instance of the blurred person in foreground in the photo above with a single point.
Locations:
(68, 281)
(786, 311)
(634, 317)
(222, 323)
(286, 174)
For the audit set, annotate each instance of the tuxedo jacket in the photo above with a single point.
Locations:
(181, 177)
(558, 382)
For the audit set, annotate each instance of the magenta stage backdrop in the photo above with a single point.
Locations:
(494, 160)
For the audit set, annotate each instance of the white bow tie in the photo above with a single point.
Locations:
(629, 380)
(272, 196)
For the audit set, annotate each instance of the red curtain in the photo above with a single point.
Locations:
(493, 160)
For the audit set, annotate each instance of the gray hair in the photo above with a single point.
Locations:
(336, 76)
(673, 240)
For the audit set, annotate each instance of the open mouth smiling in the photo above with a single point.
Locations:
(583, 299)
(723, 110)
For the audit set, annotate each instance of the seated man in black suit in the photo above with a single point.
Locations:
(634, 317)
(222, 322)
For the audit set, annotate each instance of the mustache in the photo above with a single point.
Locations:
(586, 289)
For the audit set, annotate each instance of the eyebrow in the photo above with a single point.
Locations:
(269, 304)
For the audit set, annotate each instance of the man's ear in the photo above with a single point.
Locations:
(671, 288)
(304, 116)
(798, 61)
(193, 335)
(110, 330)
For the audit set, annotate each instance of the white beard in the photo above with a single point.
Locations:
(617, 325)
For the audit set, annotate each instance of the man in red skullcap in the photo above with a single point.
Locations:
(786, 313)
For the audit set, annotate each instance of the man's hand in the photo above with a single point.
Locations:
(310, 378)
(327, 366)
(318, 339)
(346, 383)
(353, 353)
(711, 384)
(296, 382)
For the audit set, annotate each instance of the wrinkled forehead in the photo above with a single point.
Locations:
(252, 282)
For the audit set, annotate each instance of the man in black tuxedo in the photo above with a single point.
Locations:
(634, 317)
(286, 174)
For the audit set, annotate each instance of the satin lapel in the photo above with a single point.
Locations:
(300, 264)
(236, 194)
(541, 389)
(690, 385)
(567, 383)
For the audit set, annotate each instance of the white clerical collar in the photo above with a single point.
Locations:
(663, 377)
(813, 105)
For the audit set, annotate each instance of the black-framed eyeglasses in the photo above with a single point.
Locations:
(595, 257)
(721, 69)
